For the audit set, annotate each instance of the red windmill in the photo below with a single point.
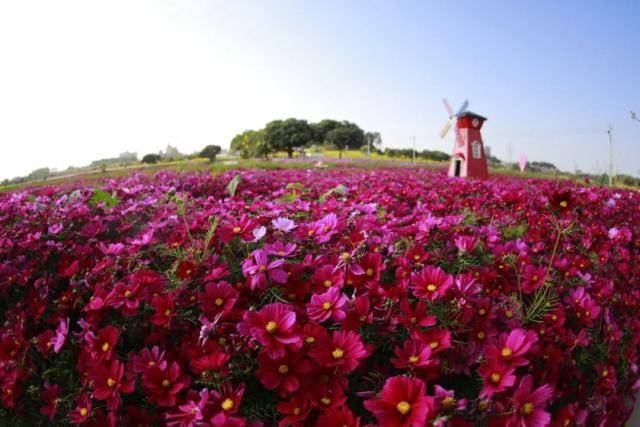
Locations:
(468, 158)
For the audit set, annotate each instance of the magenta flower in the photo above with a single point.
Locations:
(403, 403)
(511, 348)
(273, 327)
(280, 249)
(190, 413)
(259, 267)
(529, 404)
(283, 224)
(430, 283)
(61, 335)
(413, 354)
(497, 377)
(328, 305)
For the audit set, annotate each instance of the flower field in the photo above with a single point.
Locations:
(337, 297)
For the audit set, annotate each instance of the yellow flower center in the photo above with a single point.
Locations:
(325, 400)
(227, 404)
(431, 287)
(309, 340)
(535, 278)
(271, 326)
(128, 294)
(283, 369)
(416, 257)
(370, 272)
(167, 312)
(414, 359)
(506, 352)
(219, 301)
(327, 283)
(509, 314)
(166, 383)
(326, 228)
(554, 317)
(495, 377)
(527, 408)
(263, 268)
(337, 353)
(448, 402)
(403, 407)
(296, 411)
(105, 346)
(434, 345)
(111, 382)
(482, 312)
(83, 412)
(345, 256)
(326, 306)
(605, 373)
(481, 335)
(563, 203)
(311, 233)
(237, 230)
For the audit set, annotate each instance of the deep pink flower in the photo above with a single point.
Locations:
(82, 412)
(529, 405)
(258, 268)
(242, 227)
(413, 354)
(126, 297)
(162, 385)
(109, 381)
(164, 307)
(338, 417)
(511, 348)
(284, 373)
(280, 249)
(497, 376)
(61, 335)
(218, 297)
(402, 403)
(328, 305)
(430, 283)
(273, 327)
(343, 349)
(189, 413)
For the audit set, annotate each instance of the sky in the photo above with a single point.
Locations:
(84, 80)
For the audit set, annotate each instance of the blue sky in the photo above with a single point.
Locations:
(87, 80)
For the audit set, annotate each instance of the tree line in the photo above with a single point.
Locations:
(292, 135)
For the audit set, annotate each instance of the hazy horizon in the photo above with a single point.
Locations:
(85, 80)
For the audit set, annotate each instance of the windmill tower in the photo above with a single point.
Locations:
(468, 158)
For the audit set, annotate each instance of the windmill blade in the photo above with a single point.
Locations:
(447, 106)
(445, 130)
(462, 108)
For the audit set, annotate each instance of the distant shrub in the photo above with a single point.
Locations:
(151, 158)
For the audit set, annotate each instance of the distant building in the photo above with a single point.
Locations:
(170, 153)
(126, 157)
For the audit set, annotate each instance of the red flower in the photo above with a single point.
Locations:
(226, 402)
(273, 327)
(217, 298)
(328, 305)
(431, 283)
(413, 354)
(125, 296)
(529, 404)
(162, 385)
(164, 310)
(82, 411)
(295, 411)
(342, 417)
(186, 270)
(242, 228)
(283, 373)
(103, 345)
(147, 359)
(109, 382)
(402, 403)
(511, 348)
(497, 376)
(49, 396)
(343, 349)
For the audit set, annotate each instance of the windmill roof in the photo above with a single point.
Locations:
(472, 115)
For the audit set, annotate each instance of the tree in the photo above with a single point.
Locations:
(347, 135)
(288, 135)
(151, 158)
(322, 129)
(210, 152)
(373, 139)
(250, 143)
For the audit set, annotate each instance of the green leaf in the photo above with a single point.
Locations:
(340, 189)
(233, 185)
(100, 196)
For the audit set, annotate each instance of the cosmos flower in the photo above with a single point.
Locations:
(510, 348)
(328, 305)
(283, 224)
(342, 349)
(529, 404)
(273, 327)
(403, 403)
(430, 283)
(163, 384)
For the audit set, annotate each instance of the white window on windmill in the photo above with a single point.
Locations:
(476, 150)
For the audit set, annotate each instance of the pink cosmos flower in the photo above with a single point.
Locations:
(446, 401)
(61, 335)
(413, 354)
(258, 268)
(283, 224)
(343, 349)
(511, 348)
(284, 373)
(190, 413)
(273, 327)
(280, 249)
(163, 384)
(328, 305)
(529, 404)
(109, 381)
(430, 283)
(82, 411)
(217, 298)
(403, 403)
(242, 227)
(497, 377)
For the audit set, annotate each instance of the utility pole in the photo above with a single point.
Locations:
(610, 155)
(414, 148)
